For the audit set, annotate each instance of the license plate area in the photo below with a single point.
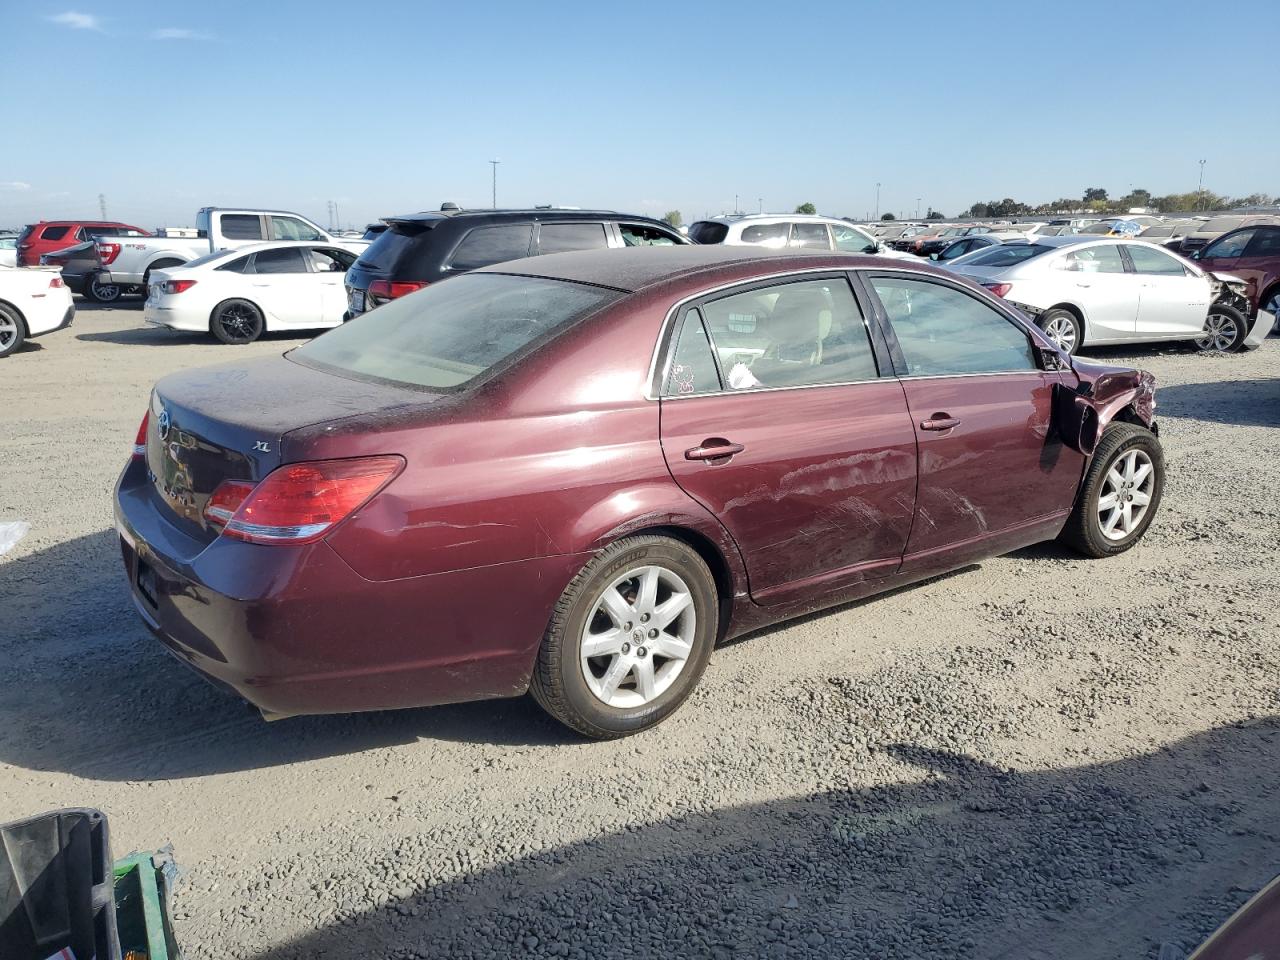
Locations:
(145, 578)
(355, 301)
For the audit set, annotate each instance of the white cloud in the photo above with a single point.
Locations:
(78, 21)
(14, 185)
(179, 33)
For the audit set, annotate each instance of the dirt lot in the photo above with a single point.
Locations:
(1038, 757)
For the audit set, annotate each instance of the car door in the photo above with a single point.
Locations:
(1173, 300)
(809, 236)
(329, 266)
(1097, 279)
(284, 288)
(992, 473)
(1252, 255)
(776, 419)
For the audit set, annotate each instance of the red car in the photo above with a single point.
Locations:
(574, 474)
(1253, 255)
(47, 236)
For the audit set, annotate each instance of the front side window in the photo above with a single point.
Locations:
(291, 228)
(450, 333)
(767, 234)
(1101, 259)
(242, 226)
(1147, 260)
(486, 245)
(288, 260)
(810, 236)
(639, 235)
(945, 332)
(852, 241)
(1230, 246)
(790, 335)
(1265, 243)
(693, 365)
(564, 237)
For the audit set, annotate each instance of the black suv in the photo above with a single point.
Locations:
(421, 248)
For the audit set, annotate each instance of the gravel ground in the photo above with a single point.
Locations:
(1037, 757)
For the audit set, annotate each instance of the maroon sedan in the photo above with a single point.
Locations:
(574, 474)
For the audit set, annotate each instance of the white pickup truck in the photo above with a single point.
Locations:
(128, 262)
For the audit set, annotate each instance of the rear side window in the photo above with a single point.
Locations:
(708, 231)
(563, 237)
(1007, 256)
(238, 265)
(486, 245)
(54, 233)
(943, 331)
(242, 226)
(289, 260)
(693, 366)
(450, 333)
(770, 233)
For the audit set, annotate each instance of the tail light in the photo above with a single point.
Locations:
(140, 441)
(299, 502)
(999, 289)
(383, 290)
(178, 286)
(55, 283)
(107, 252)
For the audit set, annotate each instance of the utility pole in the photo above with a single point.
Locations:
(102, 205)
(735, 203)
(495, 182)
(760, 204)
(917, 208)
(1199, 188)
(337, 217)
(877, 199)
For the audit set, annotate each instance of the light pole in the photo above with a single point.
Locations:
(1200, 187)
(917, 208)
(495, 182)
(735, 203)
(877, 199)
(760, 204)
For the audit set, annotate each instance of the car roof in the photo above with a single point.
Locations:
(539, 213)
(636, 268)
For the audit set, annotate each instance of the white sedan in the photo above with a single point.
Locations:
(238, 294)
(1084, 291)
(33, 301)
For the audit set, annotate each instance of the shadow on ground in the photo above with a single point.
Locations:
(1242, 403)
(90, 692)
(1103, 861)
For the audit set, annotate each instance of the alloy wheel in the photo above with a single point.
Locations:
(1062, 332)
(8, 331)
(237, 320)
(1272, 306)
(638, 637)
(1126, 494)
(105, 291)
(1220, 332)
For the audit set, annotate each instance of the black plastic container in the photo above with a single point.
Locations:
(56, 887)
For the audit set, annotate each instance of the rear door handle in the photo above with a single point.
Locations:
(939, 421)
(713, 448)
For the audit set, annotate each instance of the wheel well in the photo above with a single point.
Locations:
(1262, 297)
(1072, 309)
(1130, 415)
(712, 557)
(21, 317)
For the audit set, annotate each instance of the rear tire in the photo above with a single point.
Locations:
(642, 672)
(236, 322)
(102, 292)
(1062, 327)
(1225, 330)
(1120, 494)
(13, 331)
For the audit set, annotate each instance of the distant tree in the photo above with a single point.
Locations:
(934, 215)
(887, 216)
(1092, 194)
(808, 208)
(1253, 200)
(673, 217)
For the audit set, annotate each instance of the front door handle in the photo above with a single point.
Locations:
(713, 448)
(939, 421)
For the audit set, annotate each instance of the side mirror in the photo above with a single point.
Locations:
(1195, 254)
(933, 256)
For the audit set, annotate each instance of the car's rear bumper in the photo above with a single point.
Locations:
(53, 317)
(296, 630)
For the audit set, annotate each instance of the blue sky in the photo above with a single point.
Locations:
(388, 107)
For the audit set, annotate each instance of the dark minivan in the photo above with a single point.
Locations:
(421, 248)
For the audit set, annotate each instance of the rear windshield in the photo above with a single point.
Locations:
(1006, 255)
(453, 331)
(1160, 230)
(708, 231)
(389, 246)
(1220, 224)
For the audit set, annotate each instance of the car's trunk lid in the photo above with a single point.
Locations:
(229, 423)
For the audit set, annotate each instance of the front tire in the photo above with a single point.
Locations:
(12, 330)
(1120, 494)
(1063, 328)
(236, 322)
(629, 638)
(1225, 329)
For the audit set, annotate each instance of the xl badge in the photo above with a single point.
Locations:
(261, 446)
(162, 424)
